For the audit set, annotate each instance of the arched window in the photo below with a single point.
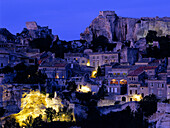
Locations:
(123, 81)
(114, 81)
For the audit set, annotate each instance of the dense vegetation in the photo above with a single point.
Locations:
(28, 74)
(164, 43)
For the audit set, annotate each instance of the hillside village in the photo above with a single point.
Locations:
(109, 72)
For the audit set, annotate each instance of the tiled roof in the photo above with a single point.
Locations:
(150, 67)
(53, 64)
(136, 72)
(140, 70)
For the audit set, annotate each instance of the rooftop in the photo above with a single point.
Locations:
(136, 72)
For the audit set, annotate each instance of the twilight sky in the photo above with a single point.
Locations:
(68, 18)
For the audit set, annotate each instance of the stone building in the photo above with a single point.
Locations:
(101, 58)
(135, 81)
(72, 57)
(4, 58)
(158, 87)
(117, 79)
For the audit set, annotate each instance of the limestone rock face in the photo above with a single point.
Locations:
(117, 28)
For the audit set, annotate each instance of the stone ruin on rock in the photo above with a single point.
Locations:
(31, 25)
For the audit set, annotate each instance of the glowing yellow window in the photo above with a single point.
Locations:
(57, 76)
(88, 62)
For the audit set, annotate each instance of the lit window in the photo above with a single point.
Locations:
(88, 62)
(124, 73)
(152, 91)
(108, 89)
(118, 73)
(114, 81)
(111, 89)
(123, 81)
(114, 73)
(115, 90)
(57, 76)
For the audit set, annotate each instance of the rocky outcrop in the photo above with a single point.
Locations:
(33, 31)
(117, 28)
(6, 36)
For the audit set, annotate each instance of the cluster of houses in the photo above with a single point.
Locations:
(124, 81)
(125, 74)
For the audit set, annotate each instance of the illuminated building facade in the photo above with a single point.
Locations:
(117, 79)
(101, 58)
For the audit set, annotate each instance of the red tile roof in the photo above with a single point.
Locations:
(136, 72)
(150, 67)
(140, 70)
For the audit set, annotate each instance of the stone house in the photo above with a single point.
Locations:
(158, 87)
(117, 79)
(135, 81)
(101, 58)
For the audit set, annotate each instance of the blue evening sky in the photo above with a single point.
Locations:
(68, 18)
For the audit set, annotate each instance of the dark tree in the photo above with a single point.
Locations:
(151, 36)
(28, 74)
(37, 121)
(42, 43)
(99, 71)
(50, 113)
(149, 105)
(100, 41)
(72, 86)
(2, 111)
(102, 92)
(84, 97)
(7, 69)
(11, 123)
(29, 122)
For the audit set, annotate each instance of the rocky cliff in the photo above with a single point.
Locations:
(117, 28)
(6, 36)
